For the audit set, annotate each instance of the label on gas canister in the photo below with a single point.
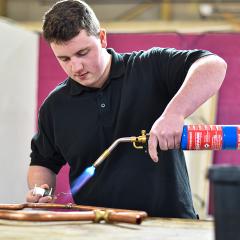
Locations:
(206, 137)
(238, 138)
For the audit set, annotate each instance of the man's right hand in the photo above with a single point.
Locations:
(36, 176)
(36, 198)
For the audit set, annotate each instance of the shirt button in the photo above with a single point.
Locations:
(103, 105)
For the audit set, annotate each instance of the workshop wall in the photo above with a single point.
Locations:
(18, 71)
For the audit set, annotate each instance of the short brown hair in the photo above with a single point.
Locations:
(66, 18)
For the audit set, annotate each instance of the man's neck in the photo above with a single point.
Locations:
(108, 60)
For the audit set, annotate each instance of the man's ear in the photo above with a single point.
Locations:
(103, 37)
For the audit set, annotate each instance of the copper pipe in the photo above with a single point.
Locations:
(95, 216)
(126, 217)
(46, 216)
(90, 213)
(20, 206)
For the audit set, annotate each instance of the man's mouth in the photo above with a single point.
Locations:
(81, 75)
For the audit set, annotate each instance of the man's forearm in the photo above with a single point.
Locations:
(203, 80)
(38, 175)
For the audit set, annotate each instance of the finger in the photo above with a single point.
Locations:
(46, 199)
(32, 198)
(163, 144)
(177, 142)
(171, 143)
(152, 147)
(54, 198)
(45, 186)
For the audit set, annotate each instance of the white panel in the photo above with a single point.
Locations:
(198, 162)
(18, 80)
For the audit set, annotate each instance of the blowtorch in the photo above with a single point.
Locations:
(194, 137)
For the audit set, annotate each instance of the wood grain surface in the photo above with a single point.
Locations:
(150, 229)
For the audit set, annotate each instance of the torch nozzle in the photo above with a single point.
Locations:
(138, 142)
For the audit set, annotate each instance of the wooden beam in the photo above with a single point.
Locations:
(166, 10)
(3, 8)
(135, 12)
(155, 26)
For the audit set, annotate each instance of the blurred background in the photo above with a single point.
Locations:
(28, 71)
(140, 15)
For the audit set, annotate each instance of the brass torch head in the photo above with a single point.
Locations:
(139, 141)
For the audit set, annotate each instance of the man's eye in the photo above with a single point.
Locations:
(80, 54)
(64, 59)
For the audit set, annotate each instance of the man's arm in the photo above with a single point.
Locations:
(202, 81)
(42, 177)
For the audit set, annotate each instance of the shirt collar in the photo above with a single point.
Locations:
(116, 71)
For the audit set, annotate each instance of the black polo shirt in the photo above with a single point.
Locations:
(77, 123)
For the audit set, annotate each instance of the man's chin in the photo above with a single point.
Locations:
(85, 82)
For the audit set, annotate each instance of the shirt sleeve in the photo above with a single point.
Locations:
(174, 64)
(179, 64)
(44, 151)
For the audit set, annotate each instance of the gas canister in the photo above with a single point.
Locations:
(210, 137)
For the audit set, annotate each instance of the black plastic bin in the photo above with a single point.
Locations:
(226, 195)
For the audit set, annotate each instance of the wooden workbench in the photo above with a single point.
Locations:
(151, 228)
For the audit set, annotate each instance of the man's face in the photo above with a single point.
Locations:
(83, 58)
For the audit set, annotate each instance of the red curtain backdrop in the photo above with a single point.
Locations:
(224, 44)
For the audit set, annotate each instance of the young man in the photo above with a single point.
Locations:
(108, 96)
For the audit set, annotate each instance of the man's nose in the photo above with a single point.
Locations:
(76, 65)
